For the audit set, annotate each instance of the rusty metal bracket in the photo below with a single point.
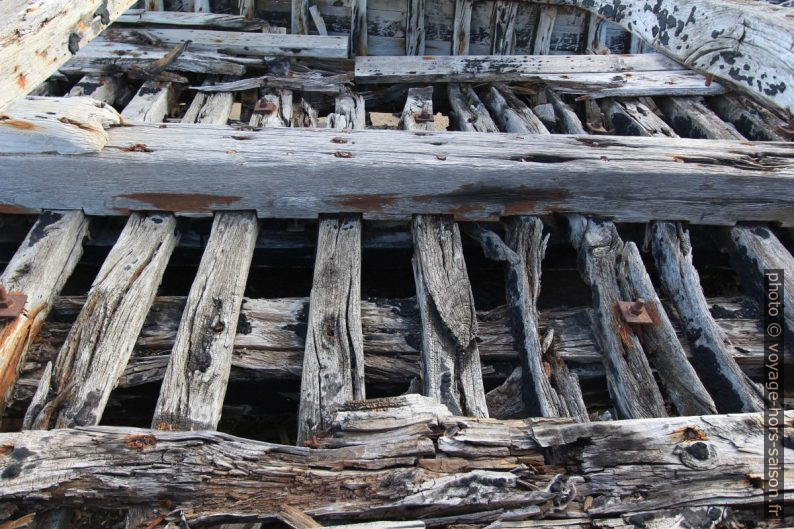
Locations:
(11, 303)
(634, 312)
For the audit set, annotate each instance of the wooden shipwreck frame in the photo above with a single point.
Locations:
(270, 263)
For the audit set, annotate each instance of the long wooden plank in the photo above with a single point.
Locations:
(503, 27)
(461, 27)
(101, 341)
(450, 358)
(472, 176)
(755, 56)
(39, 269)
(415, 28)
(471, 468)
(38, 38)
(203, 20)
(333, 364)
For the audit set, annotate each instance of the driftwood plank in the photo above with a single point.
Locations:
(468, 111)
(450, 358)
(503, 27)
(240, 22)
(415, 28)
(698, 33)
(631, 384)
(510, 112)
(472, 467)
(101, 341)
(417, 115)
(39, 269)
(38, 39)
(730, 387)
(333, 364)
(461, 27)
(357, 45)
(626, 178)
(691, 118)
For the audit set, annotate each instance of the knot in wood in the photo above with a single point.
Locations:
(699, 455)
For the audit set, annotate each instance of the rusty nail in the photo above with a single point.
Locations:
(634, 312)
(637, 307)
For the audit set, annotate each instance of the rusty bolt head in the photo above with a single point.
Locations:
(634, 312)
(11, 303)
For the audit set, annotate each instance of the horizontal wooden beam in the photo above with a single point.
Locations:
(395, 455)
(197, 20)
(748, 45)
(39, 37)
(471, 176)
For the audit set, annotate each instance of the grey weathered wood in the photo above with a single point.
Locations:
(728, 385)
(415, 27)
(595, 35)
(510, 112)
(629, 179)
(201, 6)
(306, 83)
(154, 5)
(633, 118)
(213, 108)
(755, 249)
(191, 396)
(698, 33)
(750, 119)
(417, 115)
(100, 87)
(450, 358)
(247, 9)
(631, 384)
(152, 103)
(358, 29)
(691, 118)
(468, 111)
(304, 114)
(569, 122)
(461, 27)
(333, 364)
(470, 468)
(203, 20)
(39, 269)
(522, 256)
(349, 112)
(317, 18)
(101, 341)
(37, 41)
(546, 19)
(503, 27)
(299, 22)
(275, 109)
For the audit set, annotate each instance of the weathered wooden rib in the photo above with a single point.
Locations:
(101, 341)
(415, 27)
(461, 27)
(568, 121)
(756, 249)
(38, 39)
(438, 465)
(152, 103)
(358, 29)
(317, 18)
(750, 119)
(333, 364)
(39, 269)
(100, 87)
(503, 27)
(633, 117)
(299, 21)
(213, 108)
(691, 118)
(510, 112)
(63, 125)
(468, 111)
(544, 29)
(629, 179)
(730, 387)
(631, 384)
(243, 43)
(143, 17)
(349, 112)
(755, 55)
(449, 359)
(417, 115)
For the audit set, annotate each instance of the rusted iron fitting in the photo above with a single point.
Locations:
(265, 107)
(11, 303)
(425, 117)
(635, 312)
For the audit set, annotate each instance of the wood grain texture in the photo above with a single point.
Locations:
(691, 118)
(546, 19)
(461, 27)
(299, 21)
(417, 114)
(473, 466)
(152, 103)
(213, 108)
(39, 269)
(468, 111)
(631, 384)
(240, 22)
(101, 341)
(39, 38)
(415, 28)
(728, 385)
(100, 87)
(746, 45)
(503, 27)
(349, 112)
(191, 396)
(632, 117)
(510, 112)
(333, 364)
(357, 45)
(568, 121)
(450, 358)
(628, 179)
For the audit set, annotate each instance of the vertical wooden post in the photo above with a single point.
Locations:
(544, 29)
(415, 28)
(461, 27)
(299, 22)
(358, 29)
(503, 27)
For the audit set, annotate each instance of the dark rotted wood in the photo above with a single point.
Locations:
(755, 248)
(631, 384)
(751, 119)
(39, 269)
(569, 122)
(705, 181)
(333, 364)
(415, 27)
(632, 117)
(461, 27)
(730, 387)
(102, 339)
(386, 457)
(522, 259)
(509, 111)
(503, 27)
(691, 118)
(357, 44)
(468, 110)
(450, 358)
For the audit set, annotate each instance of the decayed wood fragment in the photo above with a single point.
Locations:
(152, 102)
(38, 38)
(101, 340)
(299, 21)
(417, 115)
(349, 112)
(387, 456)
(469, 112)
(631, 383)
(728, 385)
(415, 27)
(691, 118)
(503, 27)
(510, 112)
(71, 125)
(333, 364)
(461, 27)
(569, 122)
(39, 269)
(274, 109)
(632, 117)
(750, 119)
(450, 359)
(213, 107)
